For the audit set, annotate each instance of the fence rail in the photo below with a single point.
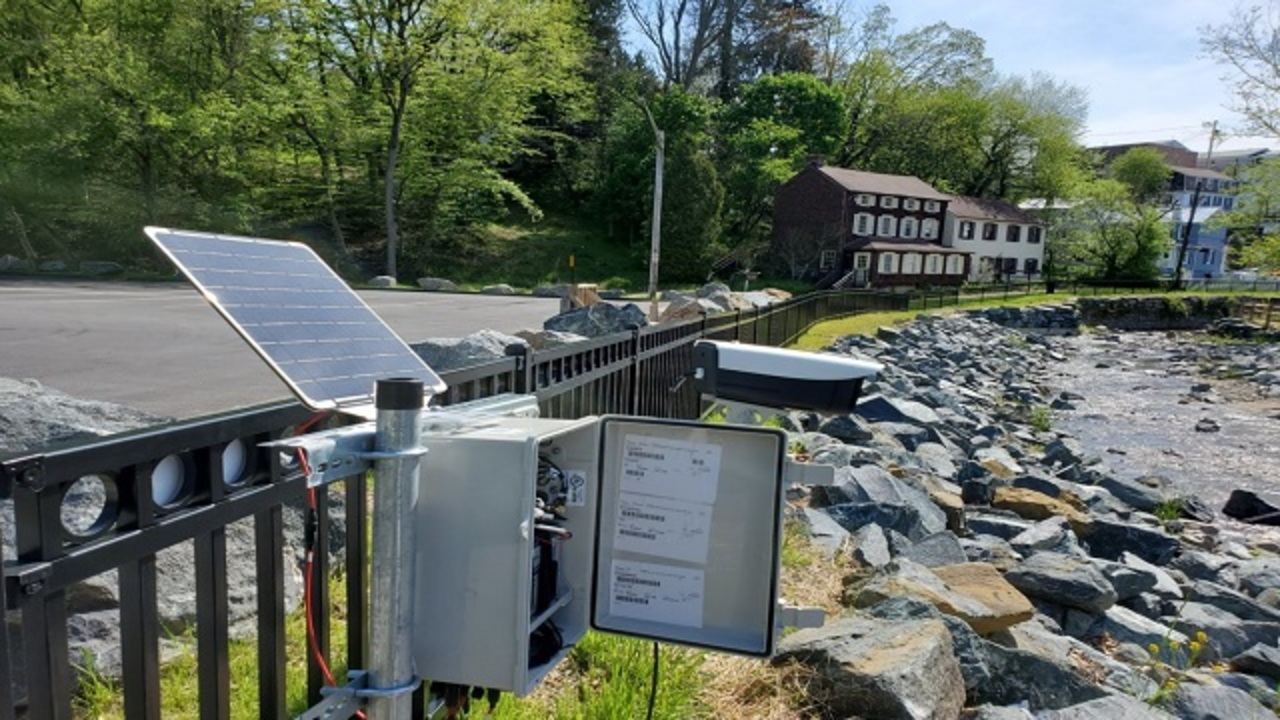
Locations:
(226, 476)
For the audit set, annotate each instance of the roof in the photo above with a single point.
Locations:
(1182, 214)
(901, 185)
(907, 246)
(990, 209)
(1205, 173)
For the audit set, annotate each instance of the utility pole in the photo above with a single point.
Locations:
(655, 234)
(1191, 214)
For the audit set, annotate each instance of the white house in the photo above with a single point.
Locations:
(1005, 241)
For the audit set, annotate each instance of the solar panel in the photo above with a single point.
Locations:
(303, 319)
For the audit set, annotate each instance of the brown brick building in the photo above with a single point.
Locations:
(849, 228)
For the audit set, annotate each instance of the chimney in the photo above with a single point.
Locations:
(817, 161)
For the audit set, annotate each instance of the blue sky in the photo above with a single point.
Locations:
(1139, 60)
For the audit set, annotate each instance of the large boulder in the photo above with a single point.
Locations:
(881, 408)
(33, 416)
(1247, 506)
(973, 592)
(475, 349)
(1111, 707)
(435, 284)
(598, 320)
(1064, 580)
(867, 667)
(1215, 702)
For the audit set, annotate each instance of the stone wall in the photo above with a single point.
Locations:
(1156, 312)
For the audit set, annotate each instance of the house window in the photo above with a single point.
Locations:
(1009, 266)
(862, 223)
(860, 261)
(889, 263)
(955, 263)
(1204, 256)
(935, 264)
(929, 229)
(989, 231)
(931, 206)
(827, 260)
(911, 204)
(966, 229)
(1031, 266)
(908, 227)
(1227, 203)
(1033, 234)
(911, 264)
(888, 202)
(1013, 234)
(865, 200)
(888, 226)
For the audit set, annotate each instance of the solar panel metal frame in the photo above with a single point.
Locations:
(358, 404)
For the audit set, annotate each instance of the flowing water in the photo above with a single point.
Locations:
(1140, 415)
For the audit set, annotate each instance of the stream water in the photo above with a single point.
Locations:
(1140, 415)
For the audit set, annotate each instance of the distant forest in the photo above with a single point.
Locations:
(393, 131)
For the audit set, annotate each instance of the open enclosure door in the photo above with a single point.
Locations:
(689, 533)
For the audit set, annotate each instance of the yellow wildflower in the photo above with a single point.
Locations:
(1202, 637)
(1195, 646)
(1154, 649)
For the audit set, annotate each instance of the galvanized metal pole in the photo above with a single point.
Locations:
(395, 493)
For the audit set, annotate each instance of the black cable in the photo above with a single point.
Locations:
(653, 688)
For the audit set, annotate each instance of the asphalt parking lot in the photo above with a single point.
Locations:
(161, 348)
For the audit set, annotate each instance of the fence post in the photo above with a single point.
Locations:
(634, 391)
(524, 366)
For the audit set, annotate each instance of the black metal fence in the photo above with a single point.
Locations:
(226, 476)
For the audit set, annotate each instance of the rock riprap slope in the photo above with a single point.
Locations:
(1003, 567)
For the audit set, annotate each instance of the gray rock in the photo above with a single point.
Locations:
(979, 490)
(1259, 574)
(561, 290)
(824, 532)
(499, 289)
(689, 308)
(1005, 527)
(1020, 676)
(1110, 707)
(1123, 625)
(382, 281)
(937, 459)
(1063, 452)
(1137, 495)
(1052, 535)
(879, 408)
(1109, 538)
(873, 485)
(990, 549)
(937, 550)
(53, 266)
(1258, 660)
(996, 712)
(909, 435)
(598, 320)
(100, 267)
(871, 547)
(1200, 565)
(1228, 634)
(883, 669)
(1247, 506)
(905, 519)
(1203, 702)
(33, 416)
(475, 349)
(1129, 582)
(1238, 604)
(435, 284)
(544, 339)
(998, 461)
(1064, 580)
(10, 263)
(1270, 597)
(1165, 586)
(847, 428)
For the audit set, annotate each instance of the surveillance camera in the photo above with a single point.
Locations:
(775, 377)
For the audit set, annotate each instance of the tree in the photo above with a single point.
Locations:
(1108, 236)
(1254, 221)
(1248, 44)
(779, 121)
(683, 35)
(1144, 171)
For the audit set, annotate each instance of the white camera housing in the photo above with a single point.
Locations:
(775, 377)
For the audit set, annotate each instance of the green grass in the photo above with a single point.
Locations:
(1040, 418)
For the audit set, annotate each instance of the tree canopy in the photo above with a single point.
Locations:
(390, 133)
